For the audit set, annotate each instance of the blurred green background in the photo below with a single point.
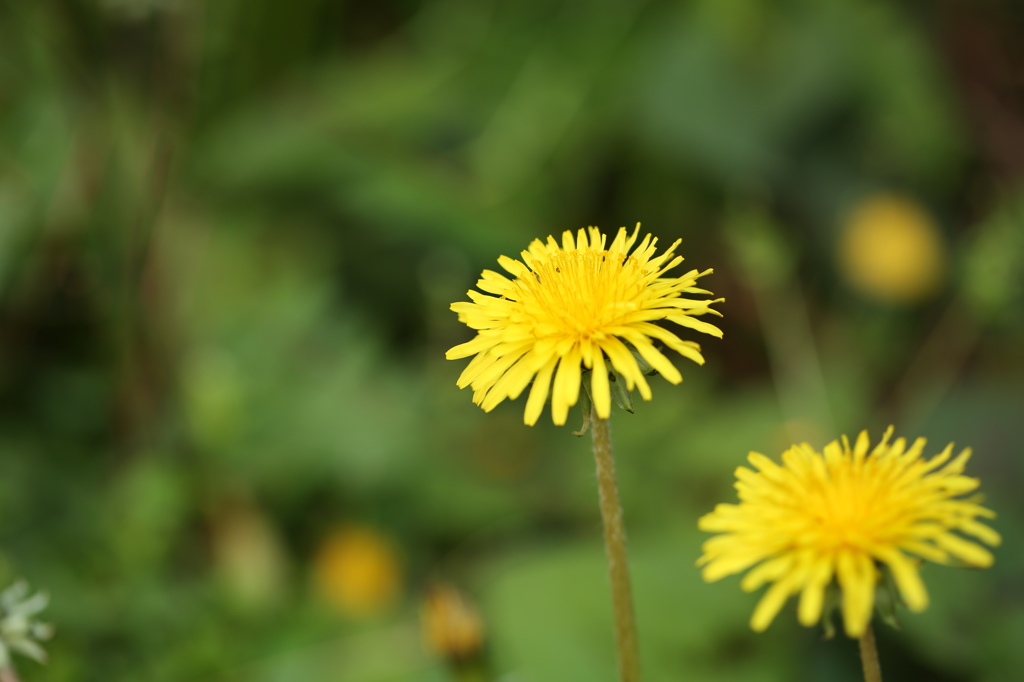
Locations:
(230, 445)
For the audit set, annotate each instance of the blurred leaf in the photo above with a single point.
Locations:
(687, 629)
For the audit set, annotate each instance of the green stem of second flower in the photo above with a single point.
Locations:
(615, 546)
(869, 656)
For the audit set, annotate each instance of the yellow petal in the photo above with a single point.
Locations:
(600, 390)
(567, 241)
(813, 595)
(767, 572)
(698, 325)
(770, 605)
(510, 385)
(480, 343)
(626, 364)
(513, 267)
(654, 357)
(566, 390)
(727, 565)
(907, 577)
(856, 576)
(539, 392)
(971, 553)
(981, 531)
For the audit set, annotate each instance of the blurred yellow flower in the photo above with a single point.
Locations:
(840, 516)
(357, 571)
(451, 625)
(575, 303)
(890, 249)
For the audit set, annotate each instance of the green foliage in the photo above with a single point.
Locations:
(229, 234)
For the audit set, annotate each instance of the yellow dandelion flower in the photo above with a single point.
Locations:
(358, 572)
(890, 249)
(842, 516)
(573, 305)
(452, 626)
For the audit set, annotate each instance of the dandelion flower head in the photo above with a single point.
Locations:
(451, 624)
(890, 249)
(358, 571)
(842, 516)
(577, 305)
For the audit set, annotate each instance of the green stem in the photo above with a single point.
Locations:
(869, 656)
(615, 546)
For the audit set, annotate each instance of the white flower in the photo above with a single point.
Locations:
(19, 630)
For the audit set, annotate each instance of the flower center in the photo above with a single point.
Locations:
(582, 294)
(846, 513)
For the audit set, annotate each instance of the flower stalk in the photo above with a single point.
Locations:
(869, 656)
(615, 547)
